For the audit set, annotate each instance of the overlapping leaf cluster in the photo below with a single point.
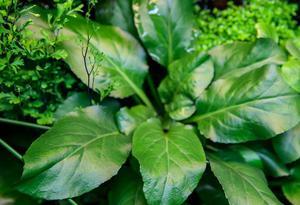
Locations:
(223, 110)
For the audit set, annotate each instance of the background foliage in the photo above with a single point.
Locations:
(220, 127)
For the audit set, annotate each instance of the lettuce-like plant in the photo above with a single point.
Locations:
(215, 105)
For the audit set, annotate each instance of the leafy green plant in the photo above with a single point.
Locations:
(211, 130)
(237, 23)
(33, 78)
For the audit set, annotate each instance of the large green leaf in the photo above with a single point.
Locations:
(165, 27)
(255, 105)
(287, 145)
(127, 189)
(240, 57)
(129, 118)
(187, 79)
(123, 65)
(171, 162)
(290, 72)
(242, 184)
(116, 12)
(81, 151)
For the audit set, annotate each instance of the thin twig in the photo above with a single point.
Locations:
(25, 124)
(72, 202)
(11, 150)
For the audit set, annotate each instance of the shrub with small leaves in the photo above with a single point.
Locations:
(237, 23)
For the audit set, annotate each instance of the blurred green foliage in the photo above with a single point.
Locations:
(237, 23)
(34, 80)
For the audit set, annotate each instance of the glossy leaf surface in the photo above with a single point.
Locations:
(187, 79)
(171, 162)
(255, 105)
(165, 27)
(117, 13)
(242, 183)
(241, 57)
(129, 118)
(82, 150)
(287, 145)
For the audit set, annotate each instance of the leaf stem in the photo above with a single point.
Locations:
(11, 150)
(25, 124)
(136, 89)
(72, 202)
(154, 93)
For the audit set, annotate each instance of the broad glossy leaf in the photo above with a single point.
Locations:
(81, 151)
(127, 189)
(116, 12)
(187, 79)
(240, 57)
(242, 184)
(290, 72)
(293, 47)
(171, 162)
(240, 153)
(256, 105)
(76, 100)
(165, 27)
(129, 118)
(287, 145)
(123, 65)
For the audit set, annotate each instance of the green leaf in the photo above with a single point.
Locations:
(81, 151)
(256, 105)
(165, 27)
(241, 57)
(171, 162)
(117, 57)
(129, 118)
(242, 184)
(266, 31)
(116, 12)
(272, 164)
(287, 145)
(293, 47)
(291, 191)
(187, 79)
(127, 189)
(76, 100)
(290, 72)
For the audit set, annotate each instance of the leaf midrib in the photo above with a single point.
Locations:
(73, 153)
(244, 104)
(241, 175)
